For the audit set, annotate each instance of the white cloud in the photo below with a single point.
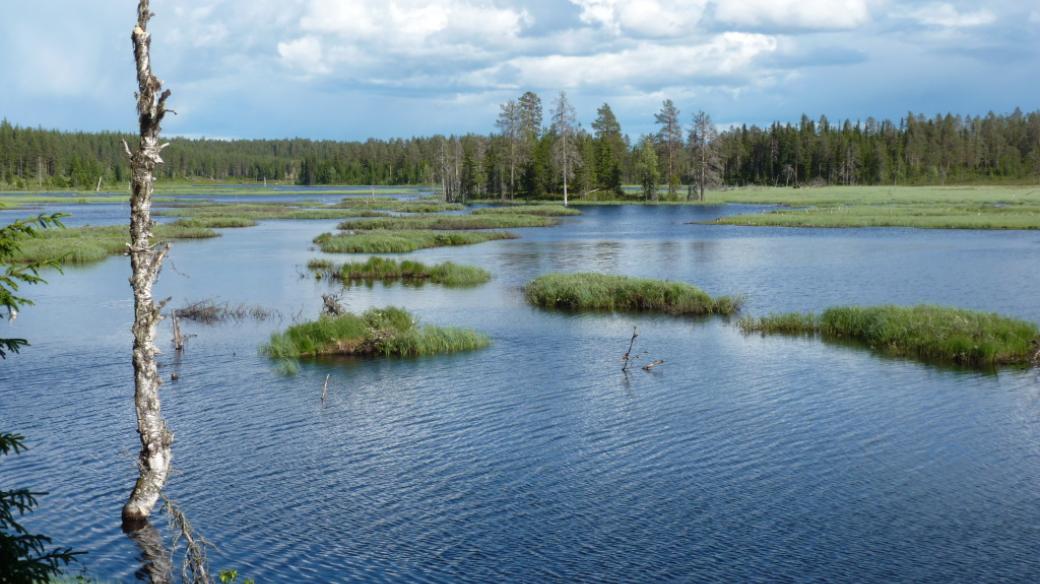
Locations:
(795, 14)
(648, 18)
(304, 54)
(726, 56)
(945, 15)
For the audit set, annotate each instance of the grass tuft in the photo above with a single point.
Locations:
(385, 241)
(592, 292)
(542, 210)
(451, 222)
(388, 332)
(924, 332)
(389, 270)
(83, 245)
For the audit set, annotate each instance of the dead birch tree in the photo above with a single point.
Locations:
(564, 124)
(146, 261)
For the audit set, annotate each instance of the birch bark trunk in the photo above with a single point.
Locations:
(146, 262)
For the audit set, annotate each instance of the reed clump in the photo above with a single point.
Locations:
(542, 210)
(387, 332)
(84, 245)
(923, 332)
(389, 270)
(398, 205)
(451, 222)
(386, 241)
(602, 292)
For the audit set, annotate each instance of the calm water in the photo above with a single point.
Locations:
(537, 460)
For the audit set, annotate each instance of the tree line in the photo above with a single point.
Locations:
(525, 157)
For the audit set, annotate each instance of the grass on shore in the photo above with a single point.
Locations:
(921, 216)
(208, 211)
(83, 245)
(388, 332)
(380, 269)
(382, 241)
(451, 222)
(924, 332)
(541, 210)
(596, 292)
(399, 206)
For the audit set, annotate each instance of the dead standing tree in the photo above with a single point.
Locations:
(146, 262)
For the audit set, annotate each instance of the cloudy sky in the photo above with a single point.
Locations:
(352, 69)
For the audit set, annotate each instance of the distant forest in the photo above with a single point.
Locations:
(521, 157)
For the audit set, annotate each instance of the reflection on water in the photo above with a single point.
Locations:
(742, 458)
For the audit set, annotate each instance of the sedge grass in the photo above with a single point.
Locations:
(451, 222)
(387, 332)
(601, 292)
(384, 241)
(380, 269)
(398, 206)
(924, 332)
(83, 245)
(542, 210)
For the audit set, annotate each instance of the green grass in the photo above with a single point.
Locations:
(262, 211)
(599, 292)
(542, 210)
(398, 206)
(216, 222)
(926, 333)
(83, 245)
(381, 241)
(451, 222)
(389, 270)
(378, 332)
(921, 216)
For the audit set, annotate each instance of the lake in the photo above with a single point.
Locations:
(742, 458)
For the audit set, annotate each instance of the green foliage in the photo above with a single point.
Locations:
(24, 557)
(398, 206)
(13, 240)
(386, 270)
(380, 241)
(82, 245)
(541, 210)
(924, 332)
(388, 332)
(451, 222)
(231, 577)
(236, 214)
(595, 292)
(649, 174)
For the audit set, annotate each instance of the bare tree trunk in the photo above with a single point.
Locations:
(146, 261)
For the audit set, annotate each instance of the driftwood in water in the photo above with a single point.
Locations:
(651, 365)
(325, 390)
(627, 358)
(332, 305)
(146, 261)
(195, 568)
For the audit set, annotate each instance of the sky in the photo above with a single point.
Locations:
(354, 69)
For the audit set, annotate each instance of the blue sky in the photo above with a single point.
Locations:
(352, 69)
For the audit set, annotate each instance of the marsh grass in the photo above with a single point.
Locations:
(83, 245)
(216, 222)
(601, 292)
(383, 241)
(541, 210)
(235, 212)
(387, 332)
(921, 216)
(451, 222)
(399, 206)
(389, 270)
(924, 332)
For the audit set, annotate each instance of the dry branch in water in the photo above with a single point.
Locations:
(325, 390)
(627, 357)
(195, 568)
(209, 312)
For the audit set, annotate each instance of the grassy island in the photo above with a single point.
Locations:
(451, 222)
(542, 210)
(386, 241)
(927, 333)
(388, 332)
(84, 245)
(380, 269)
(600, 292)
